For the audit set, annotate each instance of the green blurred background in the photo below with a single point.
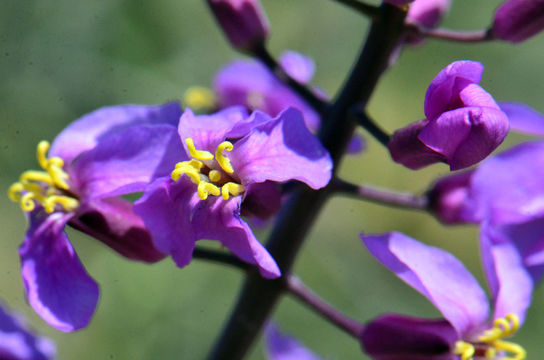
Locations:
(61, 59)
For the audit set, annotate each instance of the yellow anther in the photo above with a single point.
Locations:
(502, 327)
(490, 353)
(517, 351)
(197, 154)
(205, 189)
(193, 163)
(190, 171)
(27, 202)
(200, 99)
(214, 175)
(41, 153)
(58, 175)
(36, 176)
(14, 192)
(464, 349)
(233, 189)
(67, 203)
(221, 159)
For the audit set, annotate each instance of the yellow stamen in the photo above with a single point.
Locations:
(41, 187)
(41, 153)
(233, 189)
(214, 175)
(190, 171)
(200, 99)
(517, 351)
(222, 160)
(464, 349)
(67, 203)
(197, 154)
(194, 163)
(14, 192)
(502, 327)
(27, 203)
(205, 189)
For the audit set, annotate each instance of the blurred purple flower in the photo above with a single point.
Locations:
(426, 13)
(19, 343)
(463, 123)
(208, 191)
(284, 347)
(252, 85)
(93, 160)
(439, 276)
(243, 21)
(518, 20)
(523, 118)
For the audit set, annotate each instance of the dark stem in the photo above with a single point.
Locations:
(219, 257)
(262, 54)
(369, 125)
(259, 296)
(307, 297)
(451, 35)
(380, 196)
(368, 10)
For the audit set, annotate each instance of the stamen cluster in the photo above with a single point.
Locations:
(201, 170)
(47, 188)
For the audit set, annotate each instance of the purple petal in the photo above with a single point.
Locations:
(58, 287)
(217, 219)
(283, 347)
(84, 133)
(399, 337)
(518, 20)
(113, 221)
(19, 343)
(406, 148)
(442, 94)
(282, 150)
(510, 283)
(124, 163)
(524, 118)
(437, 275)
(467, 135)
(299, 67)
(252, 85)
(356, 145)
(508, 188)
(165, 208)
(208, 131)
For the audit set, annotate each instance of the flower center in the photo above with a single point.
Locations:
(212, 174)
(47, 188)
(490, 344)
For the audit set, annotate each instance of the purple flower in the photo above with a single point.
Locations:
(96, 158)
(463, 123)
(439, 276)
(448, 198)
(284, 347)
(518, 20)
(252, 85)
(243, 21)
(209, 190)
(523, 118)
(19, 343)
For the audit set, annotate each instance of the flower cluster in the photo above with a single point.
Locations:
(153, 181)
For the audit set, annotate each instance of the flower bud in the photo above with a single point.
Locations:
(243, 21)
(427, 13)
(518, 20)
(463, 123)
(448, 197)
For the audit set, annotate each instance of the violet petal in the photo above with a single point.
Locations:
(84, 133)
(437, 275)
(284, 347)
(58, 287)
(524, 118)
